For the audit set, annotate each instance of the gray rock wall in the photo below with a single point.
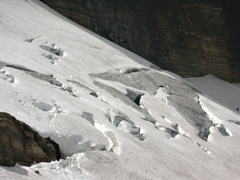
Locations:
(188, 37)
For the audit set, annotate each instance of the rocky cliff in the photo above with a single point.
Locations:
(188, 37)
(20, 144)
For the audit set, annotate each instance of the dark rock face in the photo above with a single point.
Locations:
(20, 144)
(188, 37)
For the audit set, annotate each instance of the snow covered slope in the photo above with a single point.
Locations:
(114, 114)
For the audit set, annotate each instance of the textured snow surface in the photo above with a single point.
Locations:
(114, 114)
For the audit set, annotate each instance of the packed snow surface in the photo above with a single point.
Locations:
(114, 114)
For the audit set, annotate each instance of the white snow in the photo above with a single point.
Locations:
(218, 90)
(47, 64)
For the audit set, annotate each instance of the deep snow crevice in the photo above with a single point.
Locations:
(42, 106)
(113, 145)
(30, 40)
(7, 77)
(132, 70)
(122, 122)
(117, 94)
(171, 131)
(186, 101)
(47, 78)
(134, 96)
(180, 96)
(86, 88)
(52, 48)
(146, 80)
(44, 77)
(18, 67)
(195, 117)
(88, 116)
(222, 129)
(52, 58)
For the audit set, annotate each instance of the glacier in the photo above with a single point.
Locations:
(114, 114)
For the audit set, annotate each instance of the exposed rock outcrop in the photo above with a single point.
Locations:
(20, 144)
(188, 37)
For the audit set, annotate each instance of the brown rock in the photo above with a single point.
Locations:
(20, 144)
(188, 37)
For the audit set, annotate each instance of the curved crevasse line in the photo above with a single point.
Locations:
(216, 121)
